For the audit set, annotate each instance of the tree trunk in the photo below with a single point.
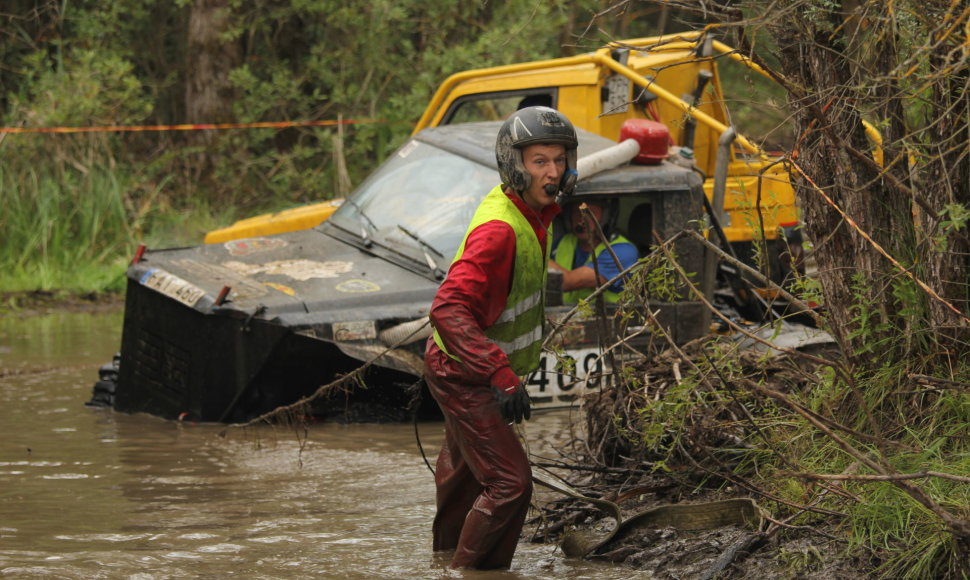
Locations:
(208, 92)
(946, 256)
(211, 57)
(854, 275)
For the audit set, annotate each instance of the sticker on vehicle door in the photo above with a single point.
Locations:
(561, 380)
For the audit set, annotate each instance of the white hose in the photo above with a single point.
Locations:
(608, 158)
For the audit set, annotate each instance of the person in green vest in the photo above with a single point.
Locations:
(487, 317)
(573, 255)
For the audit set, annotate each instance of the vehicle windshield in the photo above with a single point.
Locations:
(429, 191)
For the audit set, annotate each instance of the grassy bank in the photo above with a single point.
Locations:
(62, 228)
(71, 222)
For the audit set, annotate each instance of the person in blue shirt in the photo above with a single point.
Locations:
(573, 256)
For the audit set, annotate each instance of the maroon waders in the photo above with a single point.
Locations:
(483, 478)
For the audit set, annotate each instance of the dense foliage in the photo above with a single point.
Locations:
(874, 435)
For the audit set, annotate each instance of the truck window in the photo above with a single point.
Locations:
(430, 191)
(496, 106)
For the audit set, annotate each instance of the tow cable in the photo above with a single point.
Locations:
(415, 406)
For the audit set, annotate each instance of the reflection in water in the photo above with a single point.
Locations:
(90, 493)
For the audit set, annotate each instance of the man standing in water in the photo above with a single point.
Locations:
(488, 317)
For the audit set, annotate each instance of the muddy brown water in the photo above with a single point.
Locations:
(91, 493)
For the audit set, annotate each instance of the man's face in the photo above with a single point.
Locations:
(579, 227)
(545, 163)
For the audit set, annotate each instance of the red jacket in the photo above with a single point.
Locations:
(474, 294)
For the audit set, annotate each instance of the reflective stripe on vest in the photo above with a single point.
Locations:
(518, 329)
(565, 253)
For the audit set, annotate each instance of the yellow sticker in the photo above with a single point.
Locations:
(357, 286)
(282, 288)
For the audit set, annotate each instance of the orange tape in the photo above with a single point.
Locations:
(132, 128)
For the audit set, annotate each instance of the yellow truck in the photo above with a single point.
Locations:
(672, 79)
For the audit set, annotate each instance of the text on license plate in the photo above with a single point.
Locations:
(553, 384)
(172, 286)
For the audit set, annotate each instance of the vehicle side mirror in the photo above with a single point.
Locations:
(554, 287)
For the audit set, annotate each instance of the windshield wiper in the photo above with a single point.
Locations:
(425, 246)
(364, 234)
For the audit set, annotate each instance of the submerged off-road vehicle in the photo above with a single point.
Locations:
(275, 306)
(227, 331)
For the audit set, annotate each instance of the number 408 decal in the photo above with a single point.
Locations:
(553, 385)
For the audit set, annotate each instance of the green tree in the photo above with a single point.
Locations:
(887, 219)
(885, 207)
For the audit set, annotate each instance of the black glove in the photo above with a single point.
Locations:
(514, 404)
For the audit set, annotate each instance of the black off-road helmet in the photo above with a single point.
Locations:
(530, 126)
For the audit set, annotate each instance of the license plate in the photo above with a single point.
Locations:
(560, 380)
(172, 286)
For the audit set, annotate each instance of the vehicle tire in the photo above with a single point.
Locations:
(103, 394)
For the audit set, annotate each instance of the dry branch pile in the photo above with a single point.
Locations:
(711, 421)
